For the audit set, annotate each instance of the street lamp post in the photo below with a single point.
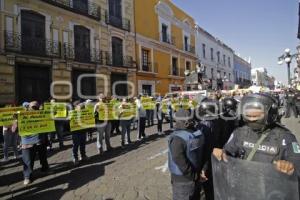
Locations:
(287, 58)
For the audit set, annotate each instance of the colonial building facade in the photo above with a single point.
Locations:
(216, 59)
(165, 46)
(76, 49)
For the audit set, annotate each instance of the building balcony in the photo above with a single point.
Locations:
(34, 46)
(166, 38)
(118, 60)
(149, 67)
(121, 23)
(82, 54)
(86, 8)
(189, 48)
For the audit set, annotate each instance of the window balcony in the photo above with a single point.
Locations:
(82, 7)
(83, 55)
(189, 48)
(35, 46)
(166, 38)
(118, 60)
(121, 23)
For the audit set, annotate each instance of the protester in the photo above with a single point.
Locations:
(10, 135)
(115, 124)
(159, 117)
(79, 139)
(125, 120)
(103, 126)
(30, 146)
(141, 119)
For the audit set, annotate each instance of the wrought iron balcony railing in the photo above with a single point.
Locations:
(146, 67)
(121, 23)
(82, 54)
(86, 8)
(174, 71)
(118, 60)
(18, 43)
(164, 37)
(189, 48)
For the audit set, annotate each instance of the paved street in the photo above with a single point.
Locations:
(136, 172)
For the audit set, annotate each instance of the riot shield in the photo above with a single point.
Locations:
(243, 180)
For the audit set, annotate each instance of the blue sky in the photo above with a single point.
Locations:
(261, 29)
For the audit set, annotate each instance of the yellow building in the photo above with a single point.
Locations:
(47, 45)
(165, 46)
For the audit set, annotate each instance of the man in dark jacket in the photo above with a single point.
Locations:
(185, 160)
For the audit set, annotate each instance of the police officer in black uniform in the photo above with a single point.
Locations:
(290, 98)
(229, 118)
(261, 139)
(210, 124)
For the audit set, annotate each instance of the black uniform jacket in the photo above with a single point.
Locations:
(280, 144)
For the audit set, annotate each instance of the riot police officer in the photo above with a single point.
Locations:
(229, 118)
(290, 104)
(210, 125)
(185, 160)
(261, 139)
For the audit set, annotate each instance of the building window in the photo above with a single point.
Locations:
(212, 72)
(186, 43)
(115, 12)
(229, 62)
(218, 56)
(82, 43)
(164, 32)
(188, 65)
(225, 75)
(203, 50)
(229, 77)
(212, 54)
(117, 51)
(145, 60)
(81, 5)
(224, 60)
(204, 70)
(174, 66)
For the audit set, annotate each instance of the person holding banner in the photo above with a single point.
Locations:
(78, 134)
(127, 113)
(103, 124)
(115, 123)
(160, 117)
(10, 135)
(261, 139)
(32, 144)
(141, 119)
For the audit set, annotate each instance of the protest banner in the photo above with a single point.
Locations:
(7, 114)
(108, 111)
(35, 122)
(81, 119)
(240, 179)
(57, 109)
(148, 103)
(128, 111)
(164, 107)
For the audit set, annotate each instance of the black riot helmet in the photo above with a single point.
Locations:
(229, 106)
(259, 110)
(208, 109)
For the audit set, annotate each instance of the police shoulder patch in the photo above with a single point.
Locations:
(296, 147)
